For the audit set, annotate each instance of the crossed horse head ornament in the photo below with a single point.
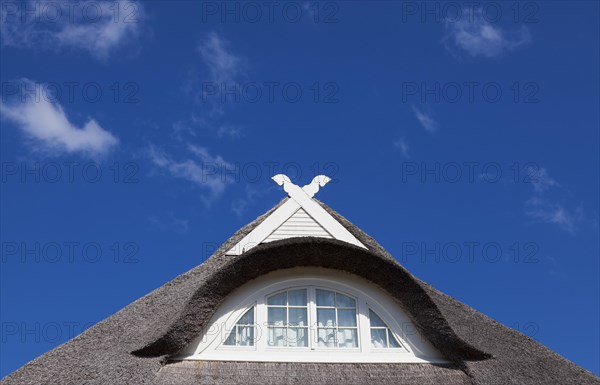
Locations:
(295, 191)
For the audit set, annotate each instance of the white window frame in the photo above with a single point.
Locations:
(209, 346)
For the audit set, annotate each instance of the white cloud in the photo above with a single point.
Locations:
(554, 213)
(171, 222)
(204, 170)
(475, 35)
(199, 122)
(426, 120)
(221, 69)
(543, 209)
(48, 127)
(229, 130)
(403, 147)
(97, 27)
(222, 64)
(240, 206)
(540, 179)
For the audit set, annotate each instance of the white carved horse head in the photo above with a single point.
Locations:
(310, 189)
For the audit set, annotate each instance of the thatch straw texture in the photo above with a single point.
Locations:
(134, 345)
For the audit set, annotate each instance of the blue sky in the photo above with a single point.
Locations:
(136, 137)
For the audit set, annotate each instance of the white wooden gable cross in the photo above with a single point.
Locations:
(299, 216)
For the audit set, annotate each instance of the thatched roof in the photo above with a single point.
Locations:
(134, 345)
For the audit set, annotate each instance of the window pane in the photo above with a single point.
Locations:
(378, 338)
(326, 317)
(277, 316)
(344, 301)
(297, 297)
(381, 335)
(245, 335)
(242, 335)
(347, 338)
(247, 318)
(297, 337)
(298, 317)
(277, 299)
(393, 341)
(326, 338)
(375, 320)
(347, 317)
(230, 341)
(276, 337)
(325, 297)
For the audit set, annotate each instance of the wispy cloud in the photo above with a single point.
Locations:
(170, 222)
(540, 179)
(403, 146)
(546, 211)
(206, 123)
(99, 31)
(252, 194)
(201, 168)
(543, 209)
(221, 69)
(473, 34)
(229, 130)
(222, 64)
(426, 120)
(48, 128)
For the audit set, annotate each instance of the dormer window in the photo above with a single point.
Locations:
(315, 316)
(290, 312)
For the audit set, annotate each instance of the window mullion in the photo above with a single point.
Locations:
(337, 323)
(387, 337)
(312, 317)
(364, 333)
(261, 324)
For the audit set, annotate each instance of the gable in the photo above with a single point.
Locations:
(300, 224)
(278, 225)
